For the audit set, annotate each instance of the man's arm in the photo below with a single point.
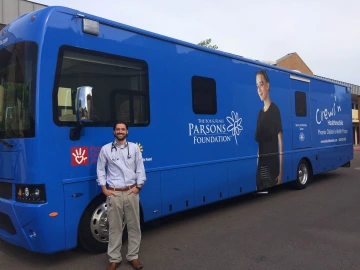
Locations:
(140, 169)
(101, 173)
(100, 168)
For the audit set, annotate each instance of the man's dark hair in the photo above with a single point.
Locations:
(263, 72)
(120, 122)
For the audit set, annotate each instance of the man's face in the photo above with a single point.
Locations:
(262, 86)
(120, 132)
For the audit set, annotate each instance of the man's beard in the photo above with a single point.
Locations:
(120, 137)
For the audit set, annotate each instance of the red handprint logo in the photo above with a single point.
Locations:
(79, 156)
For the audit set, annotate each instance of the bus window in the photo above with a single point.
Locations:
(17, 90)
(204, 95)
(119, 87)
(300, 104)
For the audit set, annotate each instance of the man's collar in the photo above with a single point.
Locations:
(120, 145)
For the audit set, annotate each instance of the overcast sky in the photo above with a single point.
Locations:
(325, 33)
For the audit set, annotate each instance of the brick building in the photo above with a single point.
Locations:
(11, 9)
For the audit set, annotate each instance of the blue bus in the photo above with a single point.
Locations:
(210, 125)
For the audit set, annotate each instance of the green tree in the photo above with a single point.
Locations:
(207, 43)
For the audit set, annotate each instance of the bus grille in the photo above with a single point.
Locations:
(6, 224)
(5, 190)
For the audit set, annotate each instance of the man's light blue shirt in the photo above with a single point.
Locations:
(122, 169)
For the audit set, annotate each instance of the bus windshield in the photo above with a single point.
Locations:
(17, 90)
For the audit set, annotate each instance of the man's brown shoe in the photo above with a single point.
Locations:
(136, 264)
(113, 266)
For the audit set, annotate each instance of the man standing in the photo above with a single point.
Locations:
(125, 176)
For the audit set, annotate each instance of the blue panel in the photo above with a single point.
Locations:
(177, 190)
(76, 196)
(331, 158)
(29, 219)
(50, 233)
(8, 164)
(331, 115)
(301, 124)
(19, 238)
(288, 173)
(210, 183)
(241, 176)
(150, 196)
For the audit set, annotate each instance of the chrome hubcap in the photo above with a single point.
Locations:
(99, 223)
(303, 174)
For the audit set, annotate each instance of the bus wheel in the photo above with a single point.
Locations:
(304, 175)
(94, 227)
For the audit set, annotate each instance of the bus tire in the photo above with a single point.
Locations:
(93, 234)
(303, 175)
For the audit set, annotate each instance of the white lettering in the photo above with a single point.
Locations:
(206, 129)
(335, 123)
(211, 139)
(191, 127)
(196, 130)
(332, 131)
(216, 130)
(326, 114)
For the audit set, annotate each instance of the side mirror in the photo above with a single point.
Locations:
(84, 104)
(83, 110)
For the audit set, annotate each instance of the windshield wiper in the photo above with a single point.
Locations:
(10, 145)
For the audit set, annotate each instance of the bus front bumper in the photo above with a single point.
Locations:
(31, 227)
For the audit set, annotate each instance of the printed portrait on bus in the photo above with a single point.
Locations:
(268, 135)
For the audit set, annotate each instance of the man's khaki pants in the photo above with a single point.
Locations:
(119, 206)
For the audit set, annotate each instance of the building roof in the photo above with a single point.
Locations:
(292, 57)
(355, 89)
(284, 57)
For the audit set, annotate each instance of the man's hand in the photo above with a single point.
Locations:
(107, 192)
(134, 190)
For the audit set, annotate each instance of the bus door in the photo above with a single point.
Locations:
(300, 115)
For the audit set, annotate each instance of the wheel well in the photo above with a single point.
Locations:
(97, 197)
(309, 163)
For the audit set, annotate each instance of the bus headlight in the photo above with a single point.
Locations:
(30, 193)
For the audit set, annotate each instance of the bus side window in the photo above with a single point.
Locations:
(120, 88)
(204, 95)
(300, 104)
